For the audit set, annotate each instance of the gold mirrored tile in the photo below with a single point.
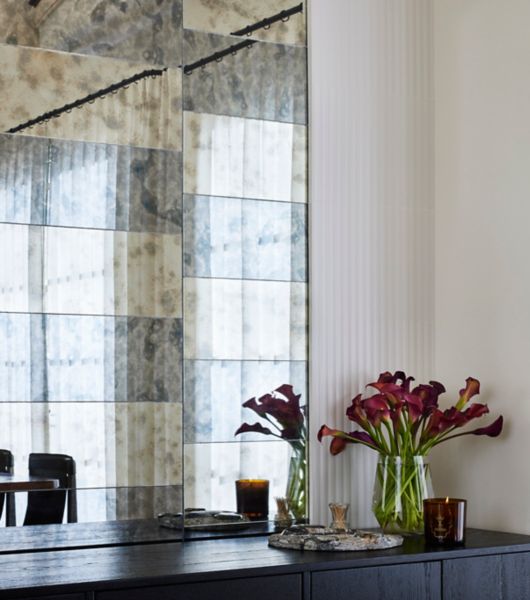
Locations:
(226, 16)
(146, 114)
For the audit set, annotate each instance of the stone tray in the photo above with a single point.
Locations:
(329, 540)
(205, 520)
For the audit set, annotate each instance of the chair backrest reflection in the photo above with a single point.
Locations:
(6, 467)
(47, 507)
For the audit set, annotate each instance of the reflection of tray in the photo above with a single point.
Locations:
(314, 537)
(200, 519)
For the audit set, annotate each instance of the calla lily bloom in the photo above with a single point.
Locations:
(341, 439)
(284, 406)
(397, 421)
(257, 427)
(472, 389)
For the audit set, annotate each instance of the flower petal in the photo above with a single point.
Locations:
(257, 427)
(492, 430)
(472, 389)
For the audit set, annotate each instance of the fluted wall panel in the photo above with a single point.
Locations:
(372, 219)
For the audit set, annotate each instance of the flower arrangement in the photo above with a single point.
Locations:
(282, 411)
(406, 424)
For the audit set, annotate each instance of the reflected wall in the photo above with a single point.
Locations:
(157, 244)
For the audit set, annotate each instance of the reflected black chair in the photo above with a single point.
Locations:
(47, 507)
(6, 468)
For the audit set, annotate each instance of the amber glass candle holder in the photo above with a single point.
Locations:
(252, 496)
(445, 521)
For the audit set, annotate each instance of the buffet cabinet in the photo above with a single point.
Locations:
(494, 566)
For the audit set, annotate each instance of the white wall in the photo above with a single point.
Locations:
(483, 247)
(372, 219)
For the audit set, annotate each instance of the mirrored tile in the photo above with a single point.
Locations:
(231, 319)
(149, 190)
(245, 158)
(245, 239)
(65, 358)
(148, 31)
(113, 444)
(85, 271)
(105, 516)
(265, 81)
(146, 114)
(212, 469)
(147, 274)
(23, 163)
(148, 360)
(81, 184)
(226, 16)
(215, 390)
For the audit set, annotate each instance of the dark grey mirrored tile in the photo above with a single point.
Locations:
(245, 239)
(147, 360)
(61, 358)
(22, 178)
(214, 392)
(148, 31)
(149, 190)
(266, 81)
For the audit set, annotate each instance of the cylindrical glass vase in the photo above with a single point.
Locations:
(401, 485)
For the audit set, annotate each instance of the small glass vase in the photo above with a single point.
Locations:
(296, 491)
(401, 485)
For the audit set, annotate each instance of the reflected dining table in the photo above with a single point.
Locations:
(9, 484)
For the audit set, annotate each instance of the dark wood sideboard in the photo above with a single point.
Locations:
(492, 565)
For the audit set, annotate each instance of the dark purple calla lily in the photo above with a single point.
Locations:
(356, 412)
(418, 424)
(283, 405)
(341, 439)
(472, 389)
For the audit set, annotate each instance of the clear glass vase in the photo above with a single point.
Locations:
(296, 492)
(401, 485)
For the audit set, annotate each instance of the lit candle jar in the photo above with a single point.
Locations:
(445, 521)
(252, 496)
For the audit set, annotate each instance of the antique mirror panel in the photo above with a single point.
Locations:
(156, 244)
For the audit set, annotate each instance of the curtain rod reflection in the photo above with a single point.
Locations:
(283, 16)
(266, 23)
(111, 89)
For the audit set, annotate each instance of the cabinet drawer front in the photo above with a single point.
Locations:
(501, 577)
(418, 581)
(284, 587)
(56, 597)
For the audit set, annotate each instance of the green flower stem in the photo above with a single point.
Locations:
(398, 502)
(296, 492)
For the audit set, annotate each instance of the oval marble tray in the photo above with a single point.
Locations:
(329, 540)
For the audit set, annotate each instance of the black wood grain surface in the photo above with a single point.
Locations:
(502, 577)
(416, 581)
(133, 567)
